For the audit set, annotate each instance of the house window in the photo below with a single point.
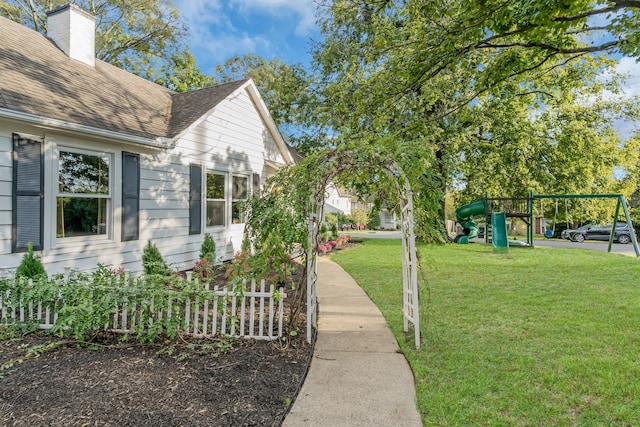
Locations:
(84, 196)
(239, 194)
(216, 202)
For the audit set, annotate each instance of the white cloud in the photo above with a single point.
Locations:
(630, 89)
(216, 32)
(213, 37)
(631, 69)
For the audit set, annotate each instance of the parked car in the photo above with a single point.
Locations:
(555, 232)
(599, 232)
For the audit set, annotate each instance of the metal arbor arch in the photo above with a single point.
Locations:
(410, 306)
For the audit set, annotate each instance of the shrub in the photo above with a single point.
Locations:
(208, 249)
(342, 240)
(374, 221)
(323, 232)
(334, 231)
(202, 270)
(153, 262)
(322, 249)
(31, 267)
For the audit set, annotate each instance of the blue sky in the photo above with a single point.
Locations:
(220, 29)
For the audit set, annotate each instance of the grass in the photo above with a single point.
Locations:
(532, 337)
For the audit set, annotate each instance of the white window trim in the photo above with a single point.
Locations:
(53, 147)
(249, 183)
(226, 200)
(228, 194)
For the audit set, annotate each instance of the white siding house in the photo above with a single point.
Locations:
(95, 162)
(388, 219)
(336, 200)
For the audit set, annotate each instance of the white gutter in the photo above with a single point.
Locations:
(53, 124)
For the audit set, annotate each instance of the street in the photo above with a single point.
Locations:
(616, 248)
(595, 245)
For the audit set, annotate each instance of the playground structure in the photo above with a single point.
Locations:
(495, 211)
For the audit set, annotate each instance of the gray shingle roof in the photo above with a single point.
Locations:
(37, 78)
(187, 107)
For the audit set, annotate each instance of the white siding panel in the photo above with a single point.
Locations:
(5, 245)
(149, 225)
(153, 234)
(5, 217)
(179, 252)
(167, 215)
(5, 188)
(271, 150)
(150, 204)
(5, 239)
(6, 174)
(6, 156)
(6, 147)
(5, 232)
(5, 202)
(232, 138)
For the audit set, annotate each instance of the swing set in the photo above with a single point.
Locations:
(514, 207)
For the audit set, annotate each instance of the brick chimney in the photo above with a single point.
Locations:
(74, 31)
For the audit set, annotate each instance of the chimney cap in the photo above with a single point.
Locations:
(73, 6)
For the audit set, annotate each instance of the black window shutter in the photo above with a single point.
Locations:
(28, 193)
(130, 196)
(195, 199)
(256, 184)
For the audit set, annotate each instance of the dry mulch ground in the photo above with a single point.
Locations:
(50, 381)
(190, 383)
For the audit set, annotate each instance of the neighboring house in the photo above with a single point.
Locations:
(95, 162)
(388, 219)
(336, 200)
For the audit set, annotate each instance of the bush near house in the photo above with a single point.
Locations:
(153, 262)
(31, 267)
(208, 249)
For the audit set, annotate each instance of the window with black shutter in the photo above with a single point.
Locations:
(130, 196)
(195, 199)
(28, 192)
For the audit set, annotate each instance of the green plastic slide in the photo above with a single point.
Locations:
(463, 217)
(499, 238)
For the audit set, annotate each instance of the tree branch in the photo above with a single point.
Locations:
(584, 49)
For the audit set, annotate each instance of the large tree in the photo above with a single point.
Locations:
(144, 37)
(427, 74)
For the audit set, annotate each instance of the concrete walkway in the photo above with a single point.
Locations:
(357, 377)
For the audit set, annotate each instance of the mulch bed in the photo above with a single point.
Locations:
(186, 382)
(143, 385)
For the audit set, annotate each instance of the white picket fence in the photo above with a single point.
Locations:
(254, 313)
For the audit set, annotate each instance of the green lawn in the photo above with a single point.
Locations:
(533, 337)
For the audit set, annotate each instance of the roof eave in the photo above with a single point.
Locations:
(56, 124)
(252, 89)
